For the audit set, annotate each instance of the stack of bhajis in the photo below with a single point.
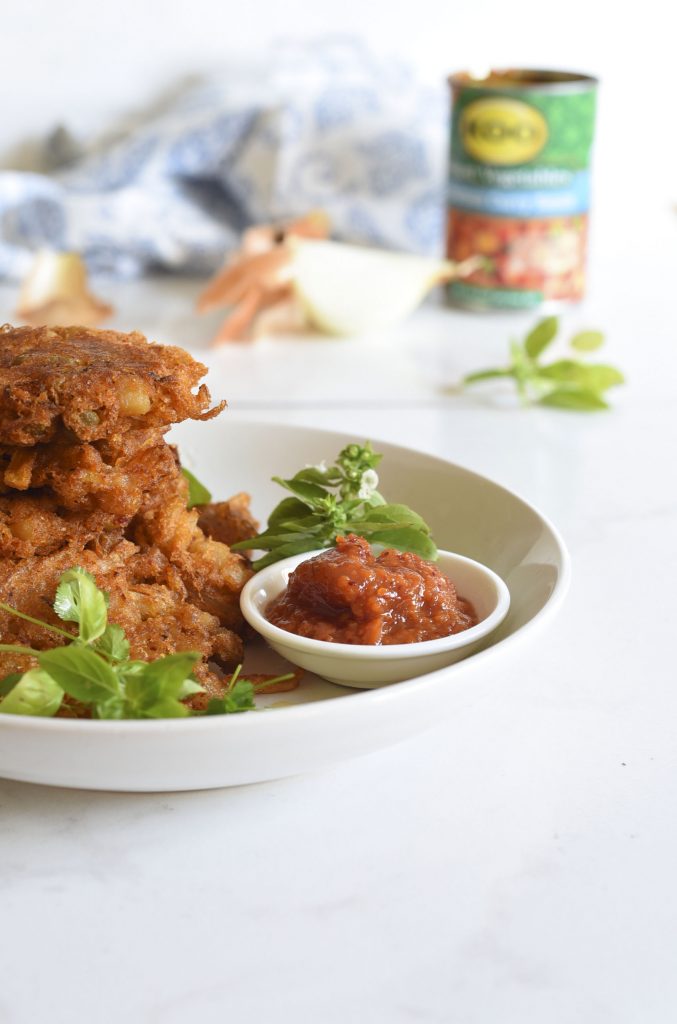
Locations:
(87, 479)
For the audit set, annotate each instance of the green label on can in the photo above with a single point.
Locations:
(495, 134)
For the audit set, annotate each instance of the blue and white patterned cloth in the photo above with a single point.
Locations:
(324, 126)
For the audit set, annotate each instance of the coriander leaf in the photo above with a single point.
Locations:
(36, 693)
(81, 673)
(113, 643)
(36, 622)
(587, 341)
(406, 539)
(574, 398)
(540, 336)
(188, 687)
(240, 697)
(78, 599)
(197, 492)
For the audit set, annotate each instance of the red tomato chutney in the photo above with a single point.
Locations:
(347, 595)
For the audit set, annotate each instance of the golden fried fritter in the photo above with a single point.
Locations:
(34, 524)
(228, 521)
(87, 479)
(147, 598)
(93, 384)
(213, 574)
(96, 476)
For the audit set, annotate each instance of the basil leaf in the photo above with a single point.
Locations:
(575, 399)
(81, 673)
(78, 599)
(540, 336)
(130, 669)
(474, 378)
(396, 514)
(113, 643)
(406, 539)
(8, 682)
(266, 543)
(289, 508)
(161, 679)
(166, 707)
(282, 532)
(36, 693)
(333, 501)
(589, 376)
(114, 708)
(313, 475)
(600, 377)
(310, 494)
(286, 550)
(197, 492)
(587, 341)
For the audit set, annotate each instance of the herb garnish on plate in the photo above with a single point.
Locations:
(94, 667)
(330, 501)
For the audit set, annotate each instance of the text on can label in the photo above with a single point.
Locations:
(497, 130)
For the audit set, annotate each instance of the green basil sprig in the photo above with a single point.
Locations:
(331, 501)
(565, 383)
(198, 494)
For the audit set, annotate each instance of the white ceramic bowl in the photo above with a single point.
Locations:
(368, 665)
(319, 723)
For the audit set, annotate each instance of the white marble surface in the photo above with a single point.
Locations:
(514, 865)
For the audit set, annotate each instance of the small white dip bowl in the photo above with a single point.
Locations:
(369, 665)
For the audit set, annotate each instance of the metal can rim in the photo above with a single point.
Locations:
(543, 80)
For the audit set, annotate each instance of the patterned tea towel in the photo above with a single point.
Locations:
(325, 125)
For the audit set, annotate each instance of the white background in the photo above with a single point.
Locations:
(516, 865)
(83, 64)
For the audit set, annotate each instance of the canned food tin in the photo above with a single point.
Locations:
(519, 186)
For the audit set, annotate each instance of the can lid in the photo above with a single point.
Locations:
(524, 78)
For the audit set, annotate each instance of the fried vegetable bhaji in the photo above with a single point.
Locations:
(93, 384)
(87, 479)
(228, 521)
(147, 598)
(93, 476)
(212, 573)
(34, 524)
